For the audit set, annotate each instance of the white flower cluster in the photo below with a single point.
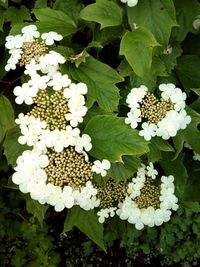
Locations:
(174, 120)
(130, 3)
(30, 172)
(32, 178)
(105, 213)
(28, 34)
(196, 156)
(150, 216)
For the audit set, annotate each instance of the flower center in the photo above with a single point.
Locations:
(68, 168)
(154, 110)
(51, 109)
(149, 196)
(31, 50)
(111, 193)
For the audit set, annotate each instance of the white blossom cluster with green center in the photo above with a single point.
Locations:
(162, 118)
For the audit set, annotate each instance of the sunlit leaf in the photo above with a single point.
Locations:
(112, 138)
(137, 47)
(104, 12)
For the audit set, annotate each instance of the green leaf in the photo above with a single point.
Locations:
(100, 79)
(107, 35)
(40, 3)
(6, 116)
(156, 146)
(38, 210)
(17, 15)
(189, 76)
(186, 12)
(191, 134)
(193, 206)
(170, 60)
(12, 149)
(123, 171)
(177, 169)
(54, 20)
(112, 138)
(192, 188)
(104, 12)
(157, 16)
(2, 17)
(157, 69)
(87, 222)
(70, 7)
(137, 47)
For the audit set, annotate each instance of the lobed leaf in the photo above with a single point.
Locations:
(54, 20)
(104, 12)
(100, 79)
(137, 47)
(6, 116)
(12, 149)
(112, 138)
(157, 16)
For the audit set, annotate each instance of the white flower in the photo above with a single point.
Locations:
(102, 214)
(61, 141)
(133, 117)
(151, 172)
(25, 93)
(135, 96)
(30, 33)
(196, 24)
(31, 128)
(86, 197)
(49, 63)
(38, 82)
(75, 116)
(196, 156)
(14, 41)
(75, 90)
(130, 3)
(14, 58)
(101, 167)
(59, 81)
(148, 130)
(167, 90)
(168, 50)
(50, 37)
(31, 68)
(83, 142)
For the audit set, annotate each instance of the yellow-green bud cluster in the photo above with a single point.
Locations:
(31, 50)
(51, 109)
(154, 110)
(149, 196)
(68, 168)
(111, 193)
